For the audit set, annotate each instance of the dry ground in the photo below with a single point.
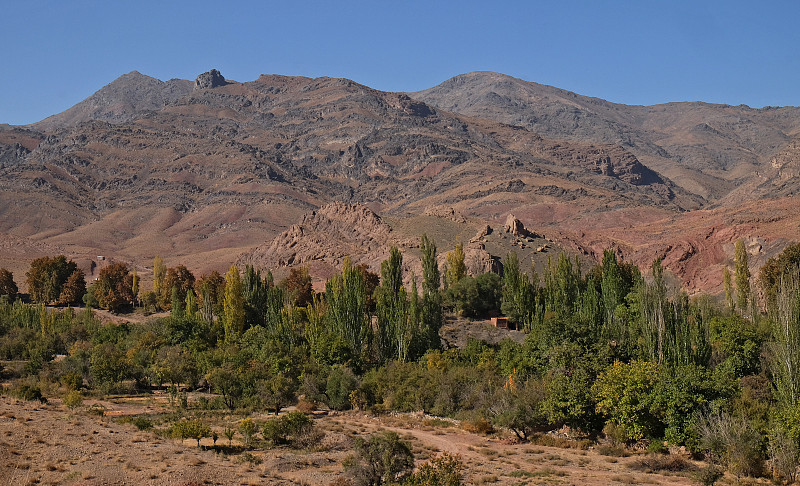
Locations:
(49, 444)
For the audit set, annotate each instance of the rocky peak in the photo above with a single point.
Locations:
(210, 79)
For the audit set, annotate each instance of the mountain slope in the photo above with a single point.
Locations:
(707, 149)
(126, 98)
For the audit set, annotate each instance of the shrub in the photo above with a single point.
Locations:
(294, 428)
(73, 400)
(30, 393)
(190, 429)
(444, 470)
(248, 429)
(710, 474)
(734, 442)
(381, 459)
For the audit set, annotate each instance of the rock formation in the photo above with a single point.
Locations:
(210, 79)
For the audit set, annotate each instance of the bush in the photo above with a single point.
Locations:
(30, 393)
(73, 400)
(382, 459)
(294, 428)
(710, 474)
(734, 442)
(444, 470)
(248, 429)
(341, 383)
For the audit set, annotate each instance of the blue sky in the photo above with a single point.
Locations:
(56, 53)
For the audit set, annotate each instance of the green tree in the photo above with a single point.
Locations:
(624, 394)
(7, 285)
(518, 297)
(785, 356)
(347, 299)
(234, 305)
(191, 304)
(393, 336)
(47, 276)
(728, 286)
(742, 276)
(431, 297)
(519, 407)
(159, 272)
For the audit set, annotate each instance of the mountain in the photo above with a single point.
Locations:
(708, 150)
(208, 172)
(125, 99)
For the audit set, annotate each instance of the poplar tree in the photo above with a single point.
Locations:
(728, 286)
(392, 338)
(159, 272)
(431, 297)
(135, 287)
(518, 301)
(742, 276)
(456, 268)
(347, 297)
(233, 304)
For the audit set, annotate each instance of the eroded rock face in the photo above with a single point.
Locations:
(328, 234)
(210, 79)
(514, 226)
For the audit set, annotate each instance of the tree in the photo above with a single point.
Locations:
(7, 285)
(47, 276)
(74, 288)
(624, 395)
(431, 297)
(234, 304)
(382, 459)
(159, 272)
(209, 290)
(179, 278)
(392, 337)
(277, 391)
(347, 307)
(456, 269)
(772, 271)
(785, 318)
(298, 284)
(112, 289)
(518, 294)
(135, 287)
(728, 286)
(519, 407)
(742, 276)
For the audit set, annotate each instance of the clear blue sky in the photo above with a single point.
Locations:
(56, 53)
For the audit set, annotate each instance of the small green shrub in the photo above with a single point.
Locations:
(73, 400)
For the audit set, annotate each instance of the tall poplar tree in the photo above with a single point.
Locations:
(233, 304)
(431, 297)
(392, 339)
(742, 276)
(159, 272)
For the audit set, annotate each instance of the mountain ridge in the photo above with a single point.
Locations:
(206, 174)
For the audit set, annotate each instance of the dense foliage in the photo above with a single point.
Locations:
(608, 352)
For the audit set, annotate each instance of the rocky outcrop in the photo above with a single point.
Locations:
(329, 234)
(210, 79)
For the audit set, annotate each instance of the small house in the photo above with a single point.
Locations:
(503, 323)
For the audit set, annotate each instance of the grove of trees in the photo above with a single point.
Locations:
(610, 352)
